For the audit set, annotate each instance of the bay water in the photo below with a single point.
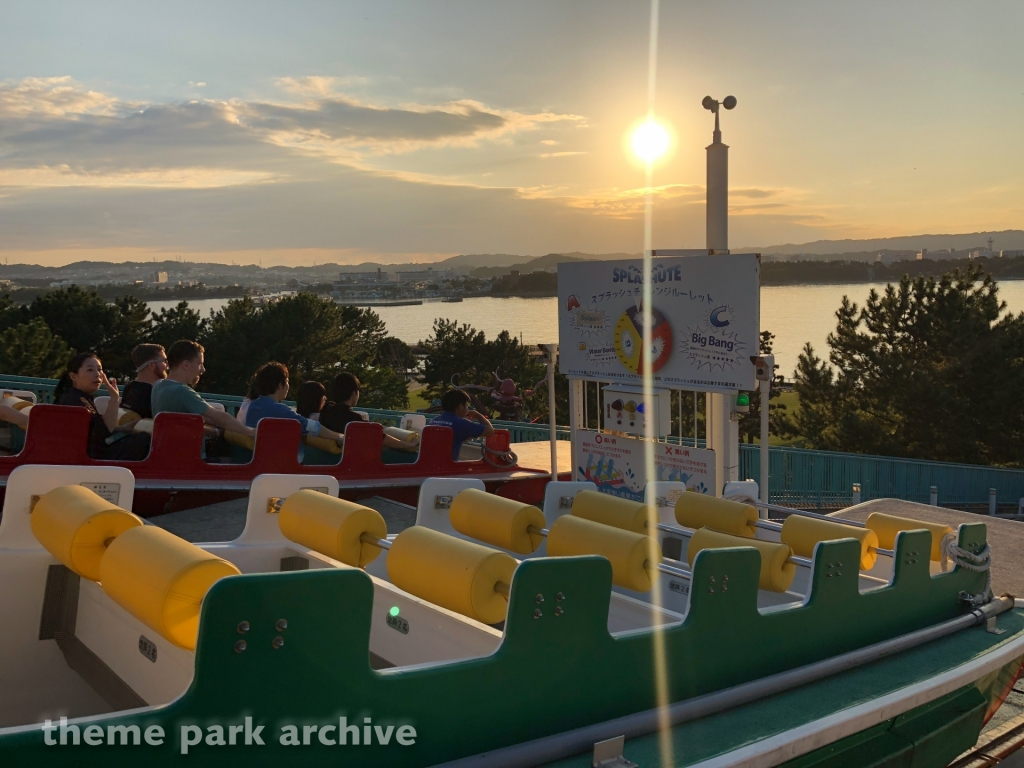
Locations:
(796, 314)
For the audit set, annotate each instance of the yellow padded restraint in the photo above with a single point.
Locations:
(161, 580)
(323, 443)
(405, 435)
(887, 526)
(803, 533)
(633, 555)
(332, 526)
(698, 510)
(76, 526)
(611, 510)
(455, 574)
(496, 520)
(777, 572)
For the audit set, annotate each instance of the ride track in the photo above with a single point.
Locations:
(174, 476)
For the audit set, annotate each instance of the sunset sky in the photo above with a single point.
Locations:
(294, 132)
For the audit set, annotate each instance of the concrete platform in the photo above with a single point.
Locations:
(1006, 537)
(225, 521)
(538, 455)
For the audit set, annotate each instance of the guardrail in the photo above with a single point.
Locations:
(798, 476)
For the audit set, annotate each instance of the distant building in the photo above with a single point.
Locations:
(417, 276)
(159, 277)
(922, 254)
(1004, 254)
(364, 277)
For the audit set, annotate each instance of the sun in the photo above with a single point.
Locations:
(650, 140)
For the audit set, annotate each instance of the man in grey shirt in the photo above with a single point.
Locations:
(185, 361)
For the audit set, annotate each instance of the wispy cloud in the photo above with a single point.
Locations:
(561, 154)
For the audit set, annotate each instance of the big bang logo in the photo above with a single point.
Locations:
(713, 345)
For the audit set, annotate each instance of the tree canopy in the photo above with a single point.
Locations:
(314, 337)
(930, 368)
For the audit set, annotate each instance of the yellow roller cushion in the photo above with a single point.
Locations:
(633, 556)
(25, 409)
(15, 402)
(242, 441)
(497, 521)
(455, 574)
(143, 425)
(887, 526)
(161, 580)
(698, 510)
(777, 572)
(405, 435)
(332, 526)
(802, 533)
(127, 417)
(611, 510)
(76, 526)
(323, 443)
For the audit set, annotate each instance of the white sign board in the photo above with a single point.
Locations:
(704, 325)
(617, 464)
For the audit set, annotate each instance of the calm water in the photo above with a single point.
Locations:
(796, 314)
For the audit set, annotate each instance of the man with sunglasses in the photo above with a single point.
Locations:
(150, 362)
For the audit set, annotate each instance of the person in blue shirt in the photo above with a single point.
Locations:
(465, 423)
(270, 385)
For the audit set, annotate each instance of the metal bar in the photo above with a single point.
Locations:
(563, 745)
(795, 559)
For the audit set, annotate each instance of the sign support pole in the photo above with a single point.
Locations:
(552, 419)
(722, 438)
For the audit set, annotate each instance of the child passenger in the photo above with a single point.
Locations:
(465, 423)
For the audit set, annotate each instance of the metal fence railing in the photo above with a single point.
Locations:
(825, 478)
(797, 476)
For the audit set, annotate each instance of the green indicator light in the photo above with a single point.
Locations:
(394, 610)
(743, 399)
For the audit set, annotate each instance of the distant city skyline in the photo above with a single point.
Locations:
(410, 132)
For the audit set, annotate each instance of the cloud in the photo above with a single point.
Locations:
(549, 142)
(194, 84)
(55, 132)
(561, 154)
(53, 97)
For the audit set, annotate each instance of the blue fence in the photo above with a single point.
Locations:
(797, 475)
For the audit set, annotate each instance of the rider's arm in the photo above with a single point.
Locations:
(479, 417)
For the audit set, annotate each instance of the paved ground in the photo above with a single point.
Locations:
(225, 521)
(1006, 537)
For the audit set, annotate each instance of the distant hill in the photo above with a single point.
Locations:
(1010, 239)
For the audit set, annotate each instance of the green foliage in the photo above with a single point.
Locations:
(178, 322)
(778, 420)
(82, 318)
(314, 337)
(31, 349)
(462, 350)
(929, 369)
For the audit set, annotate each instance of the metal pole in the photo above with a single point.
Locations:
(552, 420)
(575, 418)
(992, 501)
(933, 495)
(856, 493)
(765, 387)
(717, 234)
